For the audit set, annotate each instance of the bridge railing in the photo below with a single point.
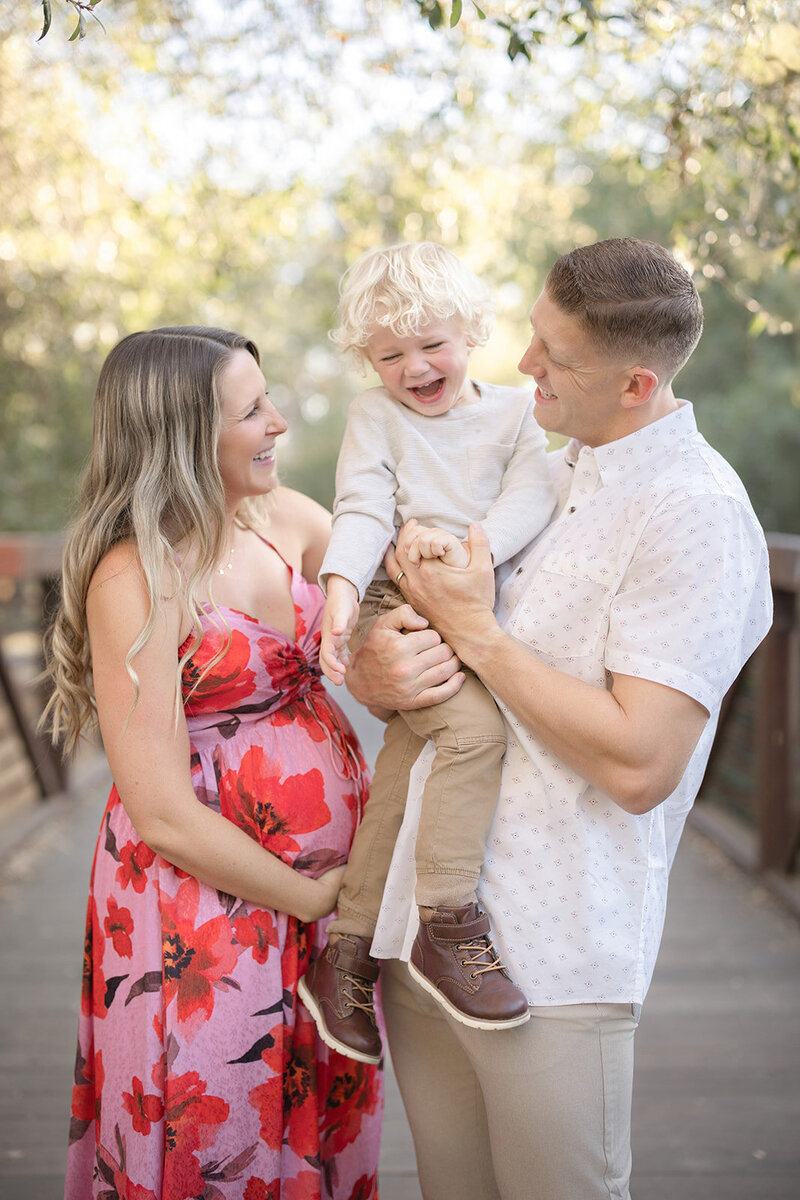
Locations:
(750, 798)
(30, 566)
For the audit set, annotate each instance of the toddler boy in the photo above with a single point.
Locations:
(433, 445)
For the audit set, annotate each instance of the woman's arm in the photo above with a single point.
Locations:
(149, 754)
(633, 742)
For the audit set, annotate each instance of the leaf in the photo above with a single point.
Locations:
(47, 13)
(150, 982)
(317, 861)
(455, 14)
(77, 1128)
(111, 840)
(79, 31)
(111, 988)
(267, 1012)
(226, 979)
(254, 1053)
(481, 13)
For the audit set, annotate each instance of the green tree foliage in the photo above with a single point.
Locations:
(224, 165)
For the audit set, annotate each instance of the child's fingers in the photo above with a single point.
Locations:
(332, 668)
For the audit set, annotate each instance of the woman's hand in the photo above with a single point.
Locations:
(403, 664)
(325, 895)
(459, 601)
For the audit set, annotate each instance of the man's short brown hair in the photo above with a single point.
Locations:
(633, 298)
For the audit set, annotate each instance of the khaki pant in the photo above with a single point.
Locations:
(458, 802)
(539, 1112)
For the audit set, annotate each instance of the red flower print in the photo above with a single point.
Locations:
(364, 1188)
(143, 1109)
(228, 682)
(323, 721)
(351, 1094)
(192, 1119)
(287, 1103)
(93, 984)
(257, 1189)
(287, 665)
(135, 858)
(258, 931)
(304, 1186)
(119, 926)
(254, 797)
(195, 957)
(267, 1100)
(85, 1098)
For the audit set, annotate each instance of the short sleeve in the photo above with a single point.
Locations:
(695, 600)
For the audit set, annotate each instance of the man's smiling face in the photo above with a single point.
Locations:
(578, 385)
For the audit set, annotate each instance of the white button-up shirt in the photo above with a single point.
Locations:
(654, 566)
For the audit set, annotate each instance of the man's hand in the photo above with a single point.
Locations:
(458, 601)
(403, 664)
(338, 622)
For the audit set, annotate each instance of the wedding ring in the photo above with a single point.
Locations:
(399, 576)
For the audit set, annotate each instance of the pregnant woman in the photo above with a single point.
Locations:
(189, 630)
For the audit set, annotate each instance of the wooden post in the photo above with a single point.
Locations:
(774, 742)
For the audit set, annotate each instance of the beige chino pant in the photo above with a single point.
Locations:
(458, 802)
(539, 1112)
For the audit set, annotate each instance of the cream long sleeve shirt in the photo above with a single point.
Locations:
(478, 462)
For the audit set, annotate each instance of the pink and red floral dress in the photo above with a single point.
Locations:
(198, 1073)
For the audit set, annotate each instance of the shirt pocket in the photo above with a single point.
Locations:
(564, 613)
(486, 466)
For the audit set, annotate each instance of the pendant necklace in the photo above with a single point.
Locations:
(227, 567)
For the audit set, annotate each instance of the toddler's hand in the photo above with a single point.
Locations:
(429, 542)
(338, 622)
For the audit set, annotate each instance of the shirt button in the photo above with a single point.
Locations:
(571, 509)
(518, 571)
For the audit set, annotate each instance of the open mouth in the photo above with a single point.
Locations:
(546, 395)
(429, 393)
(266, 456)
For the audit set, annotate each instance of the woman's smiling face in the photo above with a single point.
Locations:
(250, 427)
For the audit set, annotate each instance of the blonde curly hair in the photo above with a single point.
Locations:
(404, 288)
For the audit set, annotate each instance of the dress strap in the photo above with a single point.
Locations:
(272, 546)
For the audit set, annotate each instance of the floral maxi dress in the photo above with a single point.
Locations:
(198, 1073)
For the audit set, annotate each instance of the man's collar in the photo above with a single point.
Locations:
(646, 447)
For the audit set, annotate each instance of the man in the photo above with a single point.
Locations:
(614, 640)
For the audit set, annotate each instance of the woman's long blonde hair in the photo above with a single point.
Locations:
(152, 480)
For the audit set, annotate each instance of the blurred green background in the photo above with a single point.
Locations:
(223, 162)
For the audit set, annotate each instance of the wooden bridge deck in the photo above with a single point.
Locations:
(717, 1093)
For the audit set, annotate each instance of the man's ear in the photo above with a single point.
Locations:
(642, 382)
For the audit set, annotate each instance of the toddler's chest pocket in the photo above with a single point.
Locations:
(485, 469)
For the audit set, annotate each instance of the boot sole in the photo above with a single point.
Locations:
(462, 1018)
(306, 995)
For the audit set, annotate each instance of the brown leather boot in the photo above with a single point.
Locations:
(454, 959)
(337, 991)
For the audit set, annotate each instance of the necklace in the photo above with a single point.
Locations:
(228, 565)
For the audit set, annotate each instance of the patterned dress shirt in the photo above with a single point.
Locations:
(653, 566)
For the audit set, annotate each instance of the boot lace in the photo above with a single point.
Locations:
(486, 958)
(359, 995)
